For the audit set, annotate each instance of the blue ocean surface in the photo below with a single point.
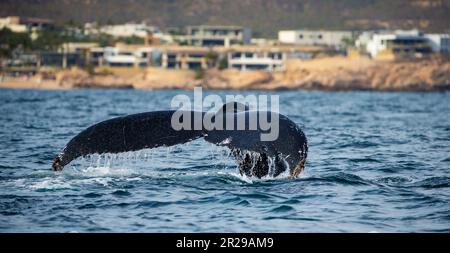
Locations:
(377, 162)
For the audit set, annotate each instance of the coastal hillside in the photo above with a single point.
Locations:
(264, 17)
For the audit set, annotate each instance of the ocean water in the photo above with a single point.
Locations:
(377, 162)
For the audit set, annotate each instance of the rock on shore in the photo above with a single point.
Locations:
(337, 73)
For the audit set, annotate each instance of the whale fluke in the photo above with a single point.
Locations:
(154, 129)
(122, 134)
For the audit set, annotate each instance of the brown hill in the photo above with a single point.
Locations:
(265, 17)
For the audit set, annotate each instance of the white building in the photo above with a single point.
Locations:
(125, 57)
(315, 38)
(24, 24)
(123, 30)
(440, 43)
(363, 39)
(217, 35)
(186, 57)
(13, 23)
(399, 42)
(255, 58)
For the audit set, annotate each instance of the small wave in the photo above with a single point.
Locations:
(447, 159)
(394, 181)
(434, 182)
(29, 100)
(244, 203)
(256, 195)
(340, 178)
(153, 204)
(121, 193)
(282, 209)
(92, 195)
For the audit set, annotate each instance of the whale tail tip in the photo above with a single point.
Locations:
(56, 165)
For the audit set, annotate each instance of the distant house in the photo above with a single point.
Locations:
(141, 30)
(96, 56)
(399, 43)
(217, 35)
(26, 24)
(256, 58)
(78, 47)
(125, 56)
(440, 43)
(176, 57)
(315, 38)
(121, 56)
(60, 60)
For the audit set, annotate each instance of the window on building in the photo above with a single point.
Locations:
(236, 66)
(196, 55)
(248, 55)
(257, 66)
(236, 55)
(97, 54)
(171, 56)
(275, 56)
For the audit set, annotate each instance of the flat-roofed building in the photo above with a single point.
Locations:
(141, 30)
(176, 57)
(78, 47)
(26, 24)
(267, 58)
(315, 37)
(226, 36)
(440, 43)
(123, 56)
(399, 44)
(256, 58)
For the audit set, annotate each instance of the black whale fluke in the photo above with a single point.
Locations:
(154, 129)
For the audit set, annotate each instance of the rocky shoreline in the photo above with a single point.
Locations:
(331, 74)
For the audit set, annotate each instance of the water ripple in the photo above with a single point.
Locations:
(377, 162)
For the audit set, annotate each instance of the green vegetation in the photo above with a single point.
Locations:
(51, 41)
(211, 58)
(105, 72)
(199, 73)
(134, 40)
(105, 40)
(349, 42)
(223, 63)
(10, 41)
(90, 69)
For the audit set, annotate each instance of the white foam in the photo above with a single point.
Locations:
(50, 184)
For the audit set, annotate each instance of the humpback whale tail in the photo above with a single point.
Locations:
(154, 129)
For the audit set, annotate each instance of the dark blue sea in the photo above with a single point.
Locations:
(377, 162)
